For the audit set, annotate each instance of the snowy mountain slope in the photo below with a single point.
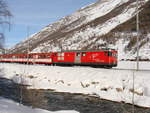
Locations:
(95, 26)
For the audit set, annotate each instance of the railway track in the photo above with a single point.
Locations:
(140, 70)
(123, 69)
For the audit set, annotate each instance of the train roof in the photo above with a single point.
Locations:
(105, 49)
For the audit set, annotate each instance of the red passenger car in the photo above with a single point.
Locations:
(45, 58)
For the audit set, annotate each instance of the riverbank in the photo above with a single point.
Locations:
(111, 84)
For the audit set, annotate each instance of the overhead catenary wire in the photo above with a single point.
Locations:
(133, 88)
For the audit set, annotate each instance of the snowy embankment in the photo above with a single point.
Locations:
(112, 84)
(8, 106)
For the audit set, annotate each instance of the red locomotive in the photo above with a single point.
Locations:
(104, 58)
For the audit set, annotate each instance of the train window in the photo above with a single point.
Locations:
(59, 54)
(25, 56)
(60, 58)
(30, 56)
(109, 53)
(55, 54)
(105, 53)
(115, 55)
(42, 56)
(83, 54)
(62, 54)
(35, 56)
(77, 54)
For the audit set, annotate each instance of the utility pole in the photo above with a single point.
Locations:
(133, 109)
(28, 29)
(137, 28)
(28, 45)
(137, 57)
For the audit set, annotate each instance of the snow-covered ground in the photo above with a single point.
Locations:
(113, 84)
(133, 65)
(9, 106)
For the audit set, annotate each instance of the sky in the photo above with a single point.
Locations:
(30, 16)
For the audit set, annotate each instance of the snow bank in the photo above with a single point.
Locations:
(112, 84)
(8, 106)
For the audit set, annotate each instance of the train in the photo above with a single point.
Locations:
(99, 58)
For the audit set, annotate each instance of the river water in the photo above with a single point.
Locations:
(54, 101)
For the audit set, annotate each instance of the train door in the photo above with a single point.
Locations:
(78, 57)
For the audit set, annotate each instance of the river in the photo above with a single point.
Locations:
(54, 101)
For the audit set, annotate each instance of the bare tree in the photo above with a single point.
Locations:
(2, 40)
(5, 15)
